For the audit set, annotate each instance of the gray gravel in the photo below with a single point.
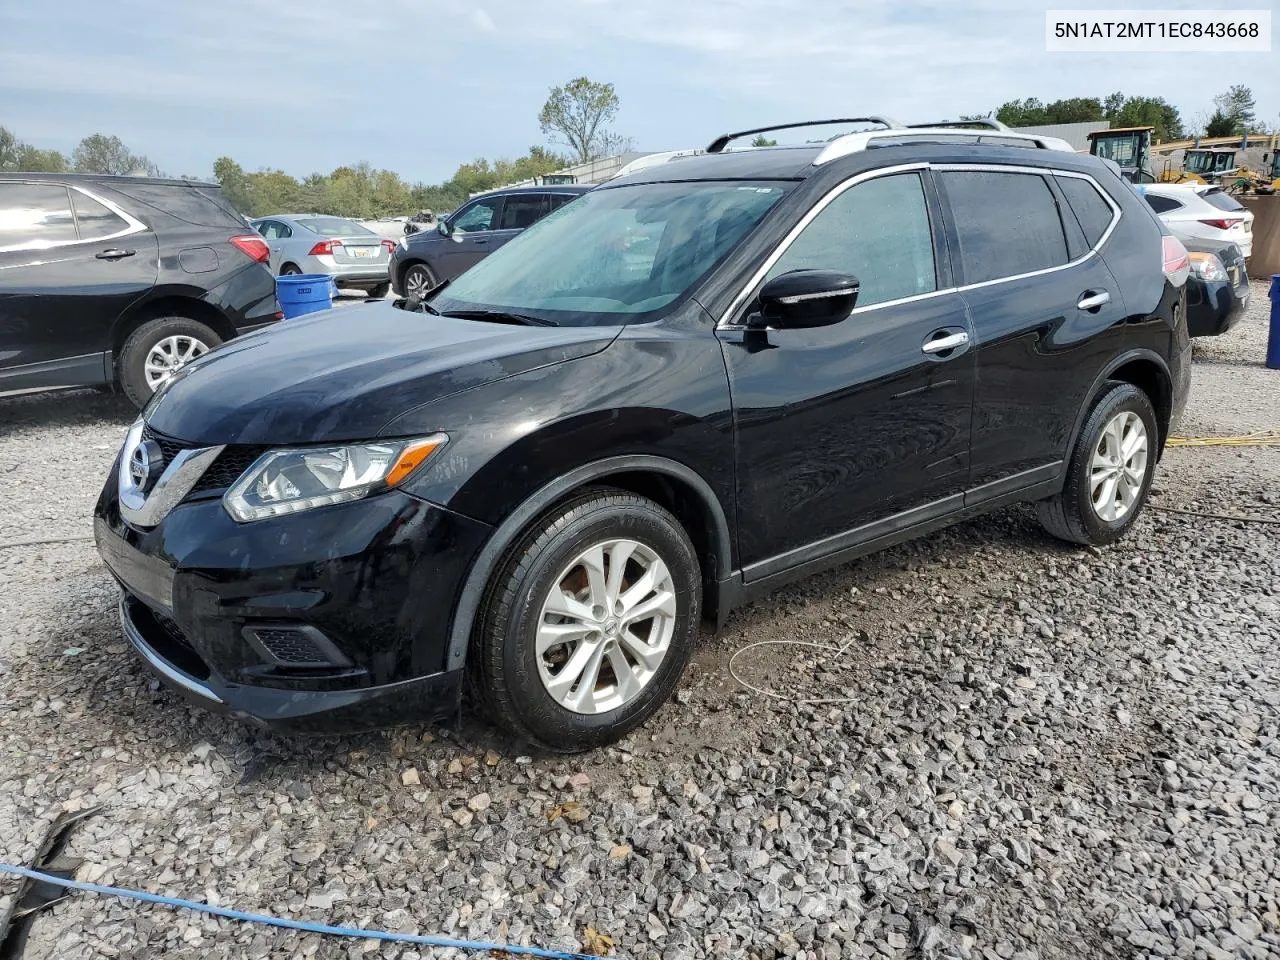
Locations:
(1042, 751)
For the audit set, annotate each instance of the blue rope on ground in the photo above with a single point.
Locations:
(305, 926)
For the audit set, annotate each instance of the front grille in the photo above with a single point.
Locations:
(230, 464)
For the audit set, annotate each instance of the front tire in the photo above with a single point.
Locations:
(157, 350)
(418, 279)
(587, 626)
(1110, 471)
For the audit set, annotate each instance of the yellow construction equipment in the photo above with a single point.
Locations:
(1129, 147)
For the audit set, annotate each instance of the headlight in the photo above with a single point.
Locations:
(290, 481)
(1207, 266)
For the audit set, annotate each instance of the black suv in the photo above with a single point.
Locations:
(471, 233)
(121, 280)
(687, 387)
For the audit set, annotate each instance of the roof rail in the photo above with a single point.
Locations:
(988, 123)
(719, 143)
(856, 142)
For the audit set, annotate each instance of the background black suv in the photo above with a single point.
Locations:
(121, 280)
(685, 388)
(471, 233)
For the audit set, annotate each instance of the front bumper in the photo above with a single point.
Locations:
(376, 579)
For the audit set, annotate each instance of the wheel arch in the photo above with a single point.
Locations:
(403, 267)
(1147, 371)
(168, 305)
(673, 485)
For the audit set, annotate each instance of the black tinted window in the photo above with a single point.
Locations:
(203, 205)
(1223, 201)
(558, 200)
(1008, 223)
(879, 232)
(523, 210)
(94, 219)
(1161, 204)
(35, 215)
(1092, 212)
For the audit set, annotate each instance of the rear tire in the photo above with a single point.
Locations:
(290, 270)
(630, 635)
(418, 279)
(166, 343)
(1109, 474)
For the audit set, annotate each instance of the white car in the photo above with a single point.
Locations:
(1201, 212)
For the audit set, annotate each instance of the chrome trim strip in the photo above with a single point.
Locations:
(726, 321)
(134, 224)
(146, 510)
(803, 297)
(159, 664)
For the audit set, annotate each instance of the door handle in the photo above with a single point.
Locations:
(1093, 300)
(115, 254)
(949, 341)
(481, 241)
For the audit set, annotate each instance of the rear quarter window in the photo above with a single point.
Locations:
(203, 206)
(1161, 204)
(1092, 212)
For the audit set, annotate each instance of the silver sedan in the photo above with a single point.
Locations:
(353, 255)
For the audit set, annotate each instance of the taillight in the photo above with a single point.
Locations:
(390, 245)
(1223, 224)
(252, 246)
(1177, 265)
(324, 248)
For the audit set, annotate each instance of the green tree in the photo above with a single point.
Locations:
(760, 140)
(1237, 106)
(17, 155)
(579, 113)
(1155, 112)
(99, 153)
(1220, 125)
(235, 185)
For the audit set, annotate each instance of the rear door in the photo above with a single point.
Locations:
(71, 262)
(1044, 306)
(472, 236)
(520, 211)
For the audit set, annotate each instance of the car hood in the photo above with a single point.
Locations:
(344, 374)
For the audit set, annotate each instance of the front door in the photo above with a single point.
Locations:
(847, 429)
(69, 266)
(471, 236)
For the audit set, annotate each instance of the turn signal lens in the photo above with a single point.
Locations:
(413, 457)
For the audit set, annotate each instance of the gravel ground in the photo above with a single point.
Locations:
(1027, 751)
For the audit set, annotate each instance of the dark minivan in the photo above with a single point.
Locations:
(121, 281)
(472, 232)
(687, 387)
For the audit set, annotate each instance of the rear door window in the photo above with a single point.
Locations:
(523, 210)
(35, 215)
(1007, 223)
(879, 232)
(1092, 212)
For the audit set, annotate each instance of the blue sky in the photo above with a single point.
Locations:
(419, 86)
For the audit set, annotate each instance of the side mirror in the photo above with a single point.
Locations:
(444, 229)
(806, 298)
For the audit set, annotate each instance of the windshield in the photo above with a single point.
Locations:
(1123, 150)
(335, 227)
(623, 250)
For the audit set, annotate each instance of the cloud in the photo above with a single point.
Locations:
(482, 20)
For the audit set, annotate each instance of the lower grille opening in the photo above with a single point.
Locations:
(299, 646)
(166, 638)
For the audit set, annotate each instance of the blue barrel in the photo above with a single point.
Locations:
(1273, 340)
(304, 293)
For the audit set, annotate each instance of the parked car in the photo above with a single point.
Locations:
(353, 255)
(1202, 212)
(120, 281)
(469, 234)
(1218, 290)
(549, 472)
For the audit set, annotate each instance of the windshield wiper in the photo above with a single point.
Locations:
(501, 316)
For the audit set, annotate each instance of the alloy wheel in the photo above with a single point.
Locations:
(605, 626)
(170, 355)
(417, 283)
(1119, 466)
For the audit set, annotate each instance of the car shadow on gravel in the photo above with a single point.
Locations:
(39, 411)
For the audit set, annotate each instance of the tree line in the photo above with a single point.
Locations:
(577, 117)
(1234, 113)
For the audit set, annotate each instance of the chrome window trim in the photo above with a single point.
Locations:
(134, 225)
(726, 321)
